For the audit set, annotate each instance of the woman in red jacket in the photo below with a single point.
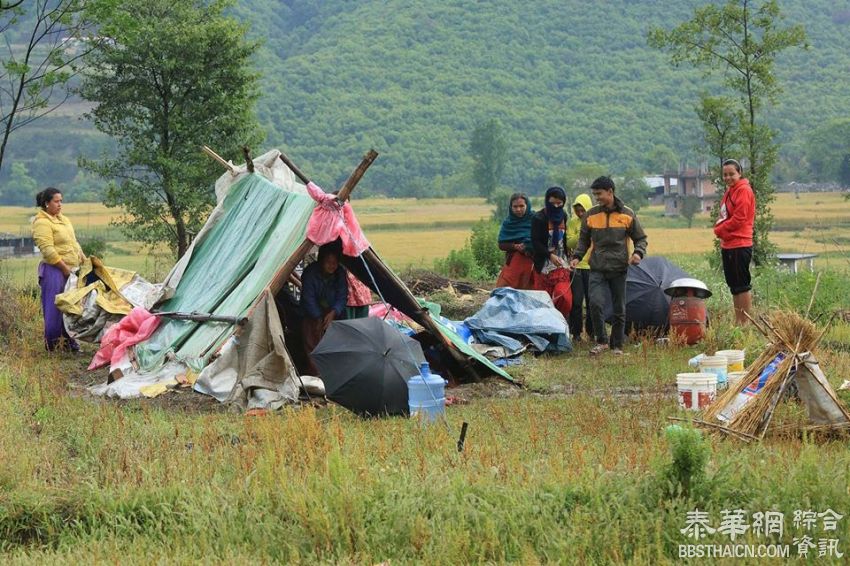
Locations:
(734, 227)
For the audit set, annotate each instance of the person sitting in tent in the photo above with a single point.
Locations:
(324, 293)
(515, 241)
(549, 240)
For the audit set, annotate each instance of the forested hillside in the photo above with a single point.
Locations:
(570, 81)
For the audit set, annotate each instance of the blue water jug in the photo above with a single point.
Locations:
(426, 396)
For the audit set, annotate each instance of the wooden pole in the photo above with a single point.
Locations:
(424, 317)
(220, 159)
(757, 325)
(293, 168)
(355, 177)
(282, 276)
(249, 163)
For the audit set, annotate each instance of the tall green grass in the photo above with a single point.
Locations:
(576, 468)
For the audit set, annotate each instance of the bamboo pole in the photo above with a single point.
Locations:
(226, 164)
(288, 162)
(282, 276)
(812, 298)
(757, 325)
(355, 177)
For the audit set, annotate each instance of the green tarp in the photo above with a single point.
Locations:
(260, 229)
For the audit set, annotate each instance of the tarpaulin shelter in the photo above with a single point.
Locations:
(647, 306)
(239, 261)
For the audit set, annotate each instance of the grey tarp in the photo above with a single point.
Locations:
(816, 393)
(259, 355)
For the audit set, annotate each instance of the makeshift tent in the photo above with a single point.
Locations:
(237, 264)
(647, 306)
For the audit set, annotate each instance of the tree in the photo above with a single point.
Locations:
(489, 150)
(691, 206)
(175, 74)
(719, 127)
(741, 40)
(10, 4)
(36, 70)
(662, 159)
(844, 172)
(633, 190)
(577, 179)
(19, 189)
(826, 147)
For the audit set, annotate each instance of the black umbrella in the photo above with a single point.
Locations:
(647, 306)
(365, 364)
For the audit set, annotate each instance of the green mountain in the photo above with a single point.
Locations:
(571, 81)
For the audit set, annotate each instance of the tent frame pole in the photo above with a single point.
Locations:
(282, 276)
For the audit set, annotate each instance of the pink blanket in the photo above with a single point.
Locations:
(136, 327)
(330, 221)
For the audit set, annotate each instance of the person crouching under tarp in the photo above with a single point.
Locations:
(324, 293)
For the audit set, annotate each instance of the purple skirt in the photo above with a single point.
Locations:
(52, 283)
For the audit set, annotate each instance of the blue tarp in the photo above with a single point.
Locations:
(511, 317)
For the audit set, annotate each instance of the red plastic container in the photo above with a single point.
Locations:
(688, 318)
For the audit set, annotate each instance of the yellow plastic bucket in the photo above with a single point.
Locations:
(734, 359)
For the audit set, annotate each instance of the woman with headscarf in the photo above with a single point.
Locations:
(549, 241)
(61, 253)
(515, 241)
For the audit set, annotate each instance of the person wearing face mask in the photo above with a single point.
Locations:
(515, 241)
(61, 253)
(606, 230)
(734, 228)
(549, 242)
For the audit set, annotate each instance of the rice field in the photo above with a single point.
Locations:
(410, 231)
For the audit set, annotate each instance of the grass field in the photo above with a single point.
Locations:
(574, 468)
(415, 232)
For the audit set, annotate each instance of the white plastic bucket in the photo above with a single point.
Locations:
(716, 365)
(733, 377)
(696, 390)
(734, 359)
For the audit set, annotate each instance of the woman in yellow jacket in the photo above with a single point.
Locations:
(60, 252)
(581, 276)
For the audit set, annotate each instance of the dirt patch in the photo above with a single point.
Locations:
(182, 399)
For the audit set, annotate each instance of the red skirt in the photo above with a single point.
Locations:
(557, 284)
(518, 272)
